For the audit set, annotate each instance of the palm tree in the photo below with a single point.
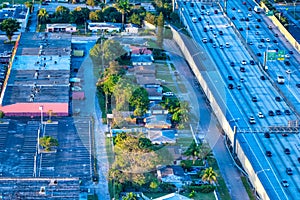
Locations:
(29, 5)
(130, 196)
(43, 16)
(193, 151)
(209, 175)
(123, 7)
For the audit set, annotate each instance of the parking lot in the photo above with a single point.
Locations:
(71, 159)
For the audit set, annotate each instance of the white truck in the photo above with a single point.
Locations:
(257, 9)
(280, 79)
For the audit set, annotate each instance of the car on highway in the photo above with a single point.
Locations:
(267, 135)
(244, 62)
(230, 86)
(271, 113)
(221, 32)
(232, 64)
(270, 27)
(257, 26)
(278, 112)
(205, 29)
(238, 87)
(254, 99)
(287, 151)
(227, 45)
(259, 54)
(287, 63)
(252, 120)
(289, 171)
(202, 7)
(200, 19)
(260, 115)
(252, 62)
(191, 13)
(287, 112)
(260, 46)
(298, 85)
(276, 35)
(210, 40)
(263, 77)
(221, 46)
(214, 45)
(216, 11)
(262, 40)
(275, 41)
(291, 52)
(242, 69)
(284, 183)
(241, 29)
(204, 40)
(233, 18)
(192, 4)
(284, 134)
(230, 78)
(268, 39)
(194, 19)
(256, 33)
(268, 153)
(277, 99)
(258, 20)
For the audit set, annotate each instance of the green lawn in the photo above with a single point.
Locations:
(109, 151)
(248, 188)
(202, 196)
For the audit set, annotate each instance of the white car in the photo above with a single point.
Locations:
(244, 62)
(288, 71)
(284, 183)
(260, 115)
(168, 94)
(268, 39)
(287, 56)
(204, 40)
(252, 120)
(227, 45)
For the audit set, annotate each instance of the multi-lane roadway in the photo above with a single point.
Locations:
(251, 94)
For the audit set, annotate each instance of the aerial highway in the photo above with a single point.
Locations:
(256, 104)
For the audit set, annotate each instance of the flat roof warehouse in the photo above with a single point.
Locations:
(39, 75)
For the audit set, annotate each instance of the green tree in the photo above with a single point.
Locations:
(79, 15)
(29, 5)
(1, 114)
(135, 19)
(154, 184)
(193, 151)
(174, 17)
(130, 196)
(140, 101)
(123, 6)
(122, 93)
(111, 50)
(160, 30)
(90, 3)
(9, 26)
(150, 18)
(43, 16)
(209, 175)
(94, 17)
(48, 142)
(62, 14)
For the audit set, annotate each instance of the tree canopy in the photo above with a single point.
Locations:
(209, 175)
(123, 6)
(43, 16)
(133, 160)
(10, 26)
(140, 101)
(48, 142)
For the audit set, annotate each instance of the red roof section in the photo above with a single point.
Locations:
(33, 109)
(136, 50)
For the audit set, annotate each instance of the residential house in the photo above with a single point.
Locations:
(157, 122)
(162, 136)
(173, 174)
(103, 26)
(131, 29)
(141, 59)
(154, 94)
(68, 28)
(173, 196)
(148, 81)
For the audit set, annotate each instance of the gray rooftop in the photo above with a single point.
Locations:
(40, 70)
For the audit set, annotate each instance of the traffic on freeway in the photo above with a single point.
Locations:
(260, 101)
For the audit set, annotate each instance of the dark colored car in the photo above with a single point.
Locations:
(258, 20)
(262, 40)
(221, 32)
(232, 64)
(257, 26)
(252, 62)
(284, 134)
(277, 99)
(241, 29)
(289, 171)
(298, 85)
(287, 151)
(242, 69)
(271, 113)
(199, 18)
(278, 112)
(287, 63)
(230, 86)
(254, 99)
(205, 29)
(192, 4)
(268, 153)
(202, 7)
(276, 35)
(263, 78)
(267, 135)
(259, 54)
(230, 78)
(233, 18)
(287, 112)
